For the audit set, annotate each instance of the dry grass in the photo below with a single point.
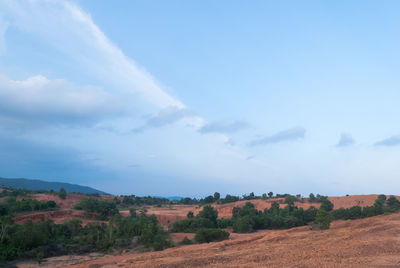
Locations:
(372, 242)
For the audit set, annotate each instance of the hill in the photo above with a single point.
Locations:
(370, 242)
(47, 185)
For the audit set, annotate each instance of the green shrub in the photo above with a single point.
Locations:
(186, 241)
(210, 235)
(323, 219)
(243, 225)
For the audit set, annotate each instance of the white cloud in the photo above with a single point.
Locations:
(40, 99)
(73, 32)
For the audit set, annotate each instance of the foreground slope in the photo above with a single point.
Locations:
(370, 242)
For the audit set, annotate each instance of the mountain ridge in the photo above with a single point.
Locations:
(37, 185)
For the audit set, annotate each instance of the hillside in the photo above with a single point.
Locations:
(47, 185)
(371, 242)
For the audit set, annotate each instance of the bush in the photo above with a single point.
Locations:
(224, 223)
(208, 212)
(62, 194)
(243, 225)
(323, 219)
(103, 208)
(186, 241)
(210, 235)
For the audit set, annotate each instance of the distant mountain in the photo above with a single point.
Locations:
(47, 185)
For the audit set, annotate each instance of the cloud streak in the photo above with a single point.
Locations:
(292, 134)
(345, 140)
(165, 116)
(223, 126)
(391, 141)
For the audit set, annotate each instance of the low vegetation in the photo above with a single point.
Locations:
(102, 208)
(45, 238)
(114, 232)
(11, 206)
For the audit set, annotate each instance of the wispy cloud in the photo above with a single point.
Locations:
(345, 140)
(296, 133)
(391, 141)
(223, 126)
(72, 31)
(166, 116)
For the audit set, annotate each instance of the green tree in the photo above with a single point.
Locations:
(243, 225)
(326, 204)
(270, 194)
(190, 215)
(210, 235)
(209, 212)
(62, 194)
(217, 196)
(290, 199)
(323, 219)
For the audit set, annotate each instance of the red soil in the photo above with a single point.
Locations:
(58, 216)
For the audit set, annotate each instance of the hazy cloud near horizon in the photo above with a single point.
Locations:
(345, 140)
(391, 141)
(292, 134)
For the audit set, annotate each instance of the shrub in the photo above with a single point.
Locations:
(323, 219)
(210, 235)
(243, 225)
(186, 241)
(208, 212)
(190, 215)
(103, 208)
(62, 194)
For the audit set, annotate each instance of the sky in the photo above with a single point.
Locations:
(191, 97)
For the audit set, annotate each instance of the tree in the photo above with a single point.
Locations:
(190, 215)
(209, 199)
(132, 212)
(290, 199)
(243, 225)
(62, 194)
(264, 196)
(323, 219)
(393, 203)
(210, 235)
(326, 204)
(217, 196)
(209, 212)
(270, 194)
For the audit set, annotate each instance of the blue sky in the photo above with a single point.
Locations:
(188, 98)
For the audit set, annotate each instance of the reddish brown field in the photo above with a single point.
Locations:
(371, 242)
(171, 213)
